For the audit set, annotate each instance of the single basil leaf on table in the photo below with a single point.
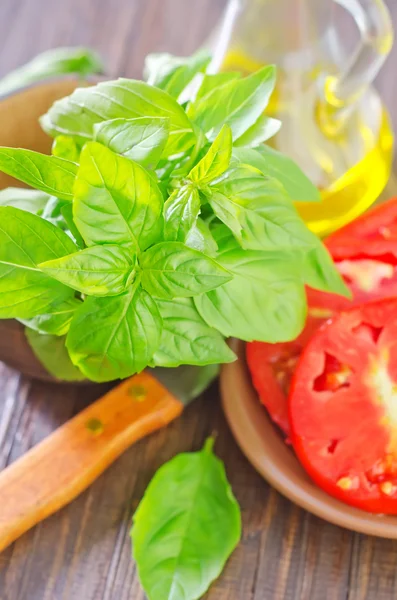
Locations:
(200, 238)
(262, 130)
(217, 80)
(52, 353)
(238, 104)
(67, 214)
(265, 300)
(57, 322)
(32, 201)
(171, 269)
(25, 241)
(181, 211)
(65, 147)
(46, 173)
(259, 212)
(59, 61)
(216, 161)
(77, 114)
(186, 526)
(174, 73)
(97, 271)
(142, 139)
(116, 200)
(186, 337)
(115, 337)
(274, 164)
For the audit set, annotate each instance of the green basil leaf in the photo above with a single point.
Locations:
(76, 115)
(216, 161)
(238, 104)
(143, 139)
(67, 214)
(210, 82)
(46, 173)
(116, 200)
(274, 164)
(180, 213)
(319, 272)
(264, 301)
(54, 62)
(98, 271)
(186, 526)
(32, 201)
(25, 241)
(56, 322)
(174, 73)
(53, 212)
(52, 353)
(171, 269)
(264, 128)
(187, 339)
(200, 238)
(65, 147)
(259, 213)
(113, 338)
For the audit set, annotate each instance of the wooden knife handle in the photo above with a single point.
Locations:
(64, 464)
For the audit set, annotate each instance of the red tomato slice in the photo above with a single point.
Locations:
(343, 407)
(272, 367)
(365, 253)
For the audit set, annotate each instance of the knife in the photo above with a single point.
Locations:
(64, 464)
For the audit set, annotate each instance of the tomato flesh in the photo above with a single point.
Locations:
(272, 367)
(343, 407)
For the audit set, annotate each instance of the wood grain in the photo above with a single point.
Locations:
(83, 552)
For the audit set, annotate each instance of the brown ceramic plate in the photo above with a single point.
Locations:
(276, 462)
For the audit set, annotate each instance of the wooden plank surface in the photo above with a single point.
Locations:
(83, 552)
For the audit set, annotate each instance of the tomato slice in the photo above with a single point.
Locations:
(272, 366)
(343, 407)
(365, 253)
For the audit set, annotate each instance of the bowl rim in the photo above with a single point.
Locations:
(264, 447)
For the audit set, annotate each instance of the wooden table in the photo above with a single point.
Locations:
(83, 552)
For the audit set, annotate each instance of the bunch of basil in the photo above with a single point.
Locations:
(160, 226)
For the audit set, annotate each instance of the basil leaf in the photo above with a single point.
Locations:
(187, 339)
(25, 241)
(113, 338)
(264, 128)
(265, 300)
(186, 527)
(97, 271)
(46, 173)
(142, 139)
(116, 200)
(171, 269)
(51, 63)
(210, 82)
(238, 104)
(319, 272)
(65, 147)
(180, 213)
(216, 161)
(32, 201)
(67, 214)
(200, 238)
(77, 114)
(173, 73)
(56, 322)
(52, 353)
(274, 164)
(259, 213)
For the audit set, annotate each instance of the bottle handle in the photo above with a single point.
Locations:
(374, 22)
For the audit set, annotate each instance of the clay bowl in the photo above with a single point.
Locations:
(19, 114)
(276, 462)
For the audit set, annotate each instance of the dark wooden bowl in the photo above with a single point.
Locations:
(19, 114)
